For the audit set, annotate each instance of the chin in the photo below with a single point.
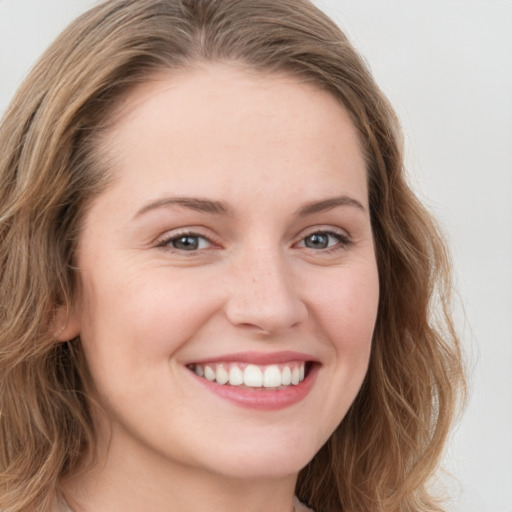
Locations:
(265, 462)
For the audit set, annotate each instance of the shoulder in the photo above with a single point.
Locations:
(60, 504)
(300, 507)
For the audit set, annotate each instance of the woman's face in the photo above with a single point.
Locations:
(229, 281)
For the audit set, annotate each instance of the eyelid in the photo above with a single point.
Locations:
(344, 238)
(164, 240)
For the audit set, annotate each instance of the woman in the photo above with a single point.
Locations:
(216, 284)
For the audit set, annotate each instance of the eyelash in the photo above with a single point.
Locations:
(168, 241)
(343, 242)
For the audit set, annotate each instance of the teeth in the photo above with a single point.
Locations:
(209, 373)
(222, 375)
(271, 377)
(286, 376)
(236, 376)
(251, 375)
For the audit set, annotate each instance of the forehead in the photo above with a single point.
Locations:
(221, 122)
(228, 94)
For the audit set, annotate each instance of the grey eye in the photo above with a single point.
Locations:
(319, 241)
(188, 242)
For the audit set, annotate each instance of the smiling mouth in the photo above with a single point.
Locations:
(252, 376)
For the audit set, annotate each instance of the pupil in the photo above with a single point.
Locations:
(317, 241)
(186, 242)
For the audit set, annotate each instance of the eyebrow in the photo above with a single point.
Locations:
(191, 203)
(329, 204)
(220, 208)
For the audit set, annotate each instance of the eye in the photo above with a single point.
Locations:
(186, 242)
(322, 240)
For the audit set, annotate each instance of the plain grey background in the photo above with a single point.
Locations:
(446, 65)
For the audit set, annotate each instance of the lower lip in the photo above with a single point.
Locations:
(261, 399)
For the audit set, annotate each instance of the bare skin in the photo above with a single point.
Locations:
(237, 228)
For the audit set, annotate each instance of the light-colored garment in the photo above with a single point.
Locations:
(300, 507)
(62, 506)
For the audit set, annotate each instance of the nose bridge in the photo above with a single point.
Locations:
(263, 294)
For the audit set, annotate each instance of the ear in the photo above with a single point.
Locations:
(67, 324)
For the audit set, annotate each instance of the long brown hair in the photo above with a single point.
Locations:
(383, 453)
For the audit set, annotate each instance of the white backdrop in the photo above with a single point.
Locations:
(447, 67)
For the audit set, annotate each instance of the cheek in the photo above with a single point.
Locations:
(146, 315)
(132, 329)
(346, 306)
(344, 309)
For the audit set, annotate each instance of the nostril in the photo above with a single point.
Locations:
(266, 314)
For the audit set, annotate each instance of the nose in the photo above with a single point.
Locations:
(263, 294)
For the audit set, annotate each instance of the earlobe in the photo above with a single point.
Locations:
(66, 324)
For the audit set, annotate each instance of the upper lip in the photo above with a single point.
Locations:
(258, 358)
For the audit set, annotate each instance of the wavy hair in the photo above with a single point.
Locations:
(382, 455)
